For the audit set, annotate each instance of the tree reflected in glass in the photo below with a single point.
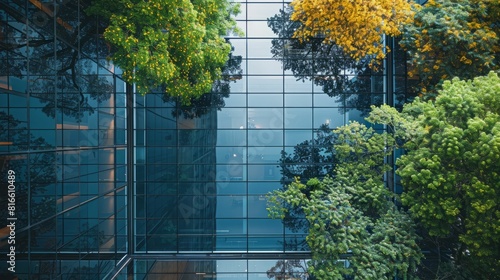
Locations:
(63, 73)
(310, 159)
(39, 176)
(341, 77)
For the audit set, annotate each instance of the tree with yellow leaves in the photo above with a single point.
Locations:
(356, 26)
(450, 38)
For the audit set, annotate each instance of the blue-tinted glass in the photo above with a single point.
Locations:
(263, 172)
(264, 67)
(266, 83)
(263, 154)
(228, 227)
(260, 48)
(329, 116)
(298, 118)
(264, 137)
(262, 188)
(200, 183)
(231, 206)
(228, 187)
(265, 100)
(231, 137)
(236, 100)
(262, 11)
(274, 243)
(257, 207)
(259, 29)
(229, 155)
(298, 100)
(238, 86)
(294, 137)
(293, 84)
(232, 118)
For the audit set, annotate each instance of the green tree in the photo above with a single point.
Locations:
(178, 46)
(450, 172)
(214, 99)
(354, 227)
(310, 159)
(450, 38)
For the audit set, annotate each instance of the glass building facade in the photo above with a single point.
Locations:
(113, 185)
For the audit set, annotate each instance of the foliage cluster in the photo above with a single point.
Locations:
(444, 38)
(354, 227)
(355, 26)
(177, 46)
(450, 38)
(450, 172)
(450, 175)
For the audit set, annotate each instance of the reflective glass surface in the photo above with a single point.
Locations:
(102, 179)
(61, 137)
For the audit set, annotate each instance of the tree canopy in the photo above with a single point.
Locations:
(177, 46)
(450, 172)
(214, 99)
(355, 26)
(449, 38)
(354, 227)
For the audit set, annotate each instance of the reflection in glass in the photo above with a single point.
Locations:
(326, 65)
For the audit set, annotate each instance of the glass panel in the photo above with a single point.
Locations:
(264, 154)
(262, 188)
(235, 100)
(292, 84)
(240, 45)
(231, 206)
(265, 118)
(298, 100)
(231, 118)
(274, 243)
(257, 208)
(265, 226)
(39, 120)
(263, 137)
(323, 100)
(265, 83)
(330, 116)
(231, 172)
(259, 29)
(231, 243)
(263, 11)
(263, 67)
(231, 137)
(298, 118)
(260, 265)
(294, 137)
(238, 86)
(261, 48)
(265, 100)
(263, 172)
(231, 188)
(231, 226)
